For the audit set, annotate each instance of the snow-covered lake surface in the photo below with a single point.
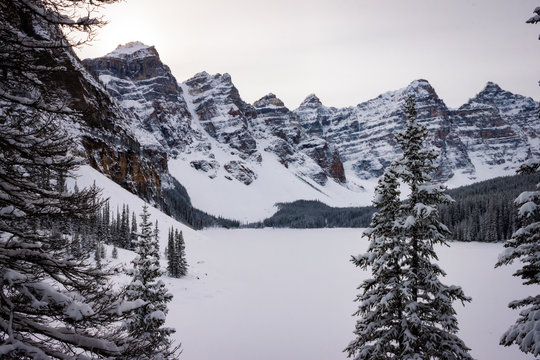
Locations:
(288, 294)
(284, 294)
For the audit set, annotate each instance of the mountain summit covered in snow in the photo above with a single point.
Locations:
(234, 157)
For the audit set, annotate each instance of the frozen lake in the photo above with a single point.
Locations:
(280, 294)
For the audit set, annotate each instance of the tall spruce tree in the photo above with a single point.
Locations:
(525, 247)
(379, 331)
(52, 305)
(172, 265)
(146, 326)
(407, 313)
(180, 254)
(133, 234)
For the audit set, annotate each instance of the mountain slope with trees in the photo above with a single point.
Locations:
(480, 212)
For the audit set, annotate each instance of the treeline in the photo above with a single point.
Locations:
(485, 211)
(307, 214)
(120, 229)
(176, 203)
(481, 212)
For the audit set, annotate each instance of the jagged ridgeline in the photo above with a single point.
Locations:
(482, 212)
(209, 138)
(157, 137)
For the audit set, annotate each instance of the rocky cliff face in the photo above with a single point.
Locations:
(494, 128)
(205, 122)
(498, 128)
(106, 133)
(146, 89)
(364, 134)
(103, 130)
(292, 144)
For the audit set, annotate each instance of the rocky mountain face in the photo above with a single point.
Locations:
(498, 127)
(205, 115)
(364, 134)
(111, 135)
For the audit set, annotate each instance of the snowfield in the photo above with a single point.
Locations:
(288, 294)
(284, 294)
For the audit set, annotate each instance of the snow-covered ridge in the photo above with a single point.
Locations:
(132, 49)
(221, 143)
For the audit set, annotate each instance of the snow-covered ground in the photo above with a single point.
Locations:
(275, 183)
(285, 294)
(288, 294)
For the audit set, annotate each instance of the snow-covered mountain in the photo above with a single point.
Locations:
(228, 153)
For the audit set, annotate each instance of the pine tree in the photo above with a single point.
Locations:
(151, 338)
(525, 247)
(180, 254)
(431, 324)
(133, 234)
(409, 312)
(124, 235)
(172, 265)
(379, 332)
(115, 252)
(51, 304)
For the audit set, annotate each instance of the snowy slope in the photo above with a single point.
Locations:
(274, 184)
(118, 196)
(288, 294)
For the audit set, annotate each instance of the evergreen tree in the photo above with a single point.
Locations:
(525, 247)
(124, 236)
(133, 234)
(115, 252)
(379, 331)
(151, 339)
(409, 312)
(52, 306)
(172, 265)
(180, 254)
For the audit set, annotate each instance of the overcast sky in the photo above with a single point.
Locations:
(345, 51)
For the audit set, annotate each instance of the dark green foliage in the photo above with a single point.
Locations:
(176, 256)
(481, 212)
(304, 214)
(176, 202)
(485, 211)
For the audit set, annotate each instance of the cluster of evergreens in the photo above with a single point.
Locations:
(483, 211)
(305, 214)
(89, 234)
(175, 252)
(176, 202)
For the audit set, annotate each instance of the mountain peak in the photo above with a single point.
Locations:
(420, 83)
(132, 49)
(311, 101)
(491, 87)
(269, 99)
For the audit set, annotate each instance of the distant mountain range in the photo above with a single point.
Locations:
(197, 145)
(215, 140)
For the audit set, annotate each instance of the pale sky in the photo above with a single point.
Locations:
(345, 51)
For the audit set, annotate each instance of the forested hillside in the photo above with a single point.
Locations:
(481, 212)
